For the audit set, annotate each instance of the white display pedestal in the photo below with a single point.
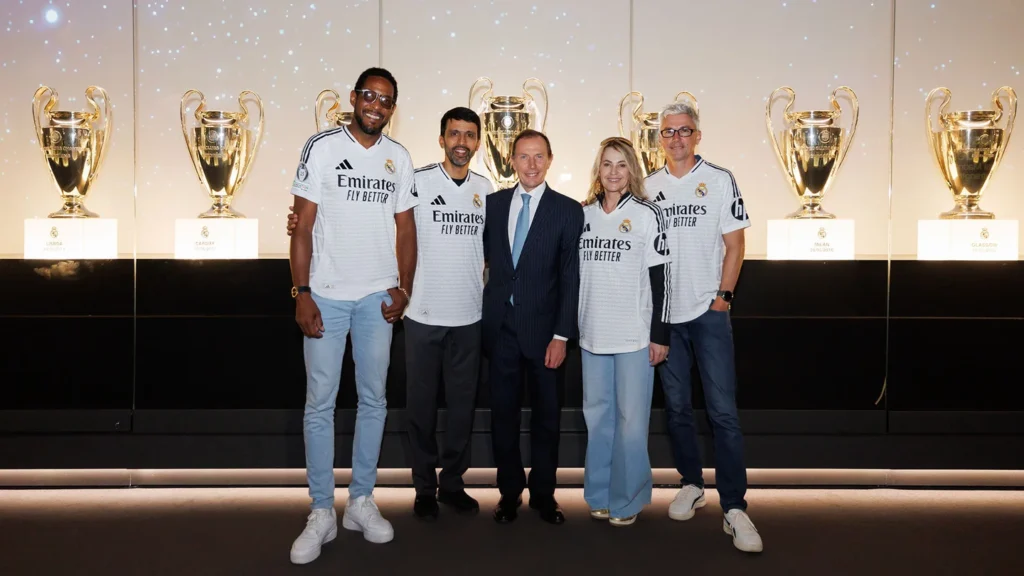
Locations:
(810, 239)
(967, 240)
(216, 238)
(70, 239)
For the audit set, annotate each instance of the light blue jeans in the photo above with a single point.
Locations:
(617, 391)
(371, 352)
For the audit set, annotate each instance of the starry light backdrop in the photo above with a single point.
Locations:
(730, 53)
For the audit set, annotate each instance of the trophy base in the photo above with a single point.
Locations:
(222, 211)
(73, 211)
(70, 239)
(811, 213)
(962, 212)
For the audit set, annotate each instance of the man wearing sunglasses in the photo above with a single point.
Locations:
(706, 220)
(353, 257)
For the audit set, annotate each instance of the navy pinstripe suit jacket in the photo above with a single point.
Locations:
(546, 283)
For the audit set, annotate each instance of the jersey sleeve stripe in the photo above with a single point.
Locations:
(666, 306)
(732, 179)
(659, 217)
(426, 168)
(395, 143)
(308, 148)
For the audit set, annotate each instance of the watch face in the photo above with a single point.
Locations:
(295, 291)
(727, 296)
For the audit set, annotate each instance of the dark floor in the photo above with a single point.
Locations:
(193, 531)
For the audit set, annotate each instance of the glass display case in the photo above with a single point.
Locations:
(148, 152)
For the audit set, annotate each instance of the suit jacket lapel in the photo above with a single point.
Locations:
(544, 210)
(507, 209)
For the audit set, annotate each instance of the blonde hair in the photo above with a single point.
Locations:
(635, 183)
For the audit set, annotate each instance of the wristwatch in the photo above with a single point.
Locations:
(726, 295)
(296, 290)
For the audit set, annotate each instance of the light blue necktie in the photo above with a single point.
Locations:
(522, 229)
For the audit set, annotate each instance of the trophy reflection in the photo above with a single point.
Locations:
(813, 148)
(222, 146)
(643, 131)
(503, 118)
(334, 117)
(969, 146)
(73, 145)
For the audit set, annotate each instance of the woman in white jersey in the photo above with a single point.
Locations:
(623, 318)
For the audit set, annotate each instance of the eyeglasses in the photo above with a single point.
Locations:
(685, 132)
(369, 96)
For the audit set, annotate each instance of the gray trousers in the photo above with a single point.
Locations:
(433, 354)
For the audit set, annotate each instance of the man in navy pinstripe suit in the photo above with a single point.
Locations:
(531, 240)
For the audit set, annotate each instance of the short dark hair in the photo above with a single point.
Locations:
(460, 113)
(379, 73)
(531, 133)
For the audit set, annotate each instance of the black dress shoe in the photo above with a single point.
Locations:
(425, 507)
(549, 510)
(507, 509)
(462, 503)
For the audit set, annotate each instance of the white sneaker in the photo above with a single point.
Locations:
(744, 535)
(321, 528)
(362, 515)
(686, 502)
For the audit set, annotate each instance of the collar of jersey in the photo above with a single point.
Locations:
(672, 178)
(449, 176)
(380, 138)
(622, 202)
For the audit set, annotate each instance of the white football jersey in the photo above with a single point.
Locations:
(448, 286)
(358, 191)
(616, 252)
(699, 208)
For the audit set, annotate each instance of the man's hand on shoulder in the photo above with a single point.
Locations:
(555, 354)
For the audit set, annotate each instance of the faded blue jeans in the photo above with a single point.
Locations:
(708, 340)
(371, 352)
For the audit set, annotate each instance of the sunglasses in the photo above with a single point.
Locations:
(618, 139)
(369, 96)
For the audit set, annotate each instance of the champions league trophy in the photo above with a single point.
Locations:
(504, 118)
(813, 148)
(968, 147)
(222, 147)
(73, 146)
(644, 131)
(334, 117)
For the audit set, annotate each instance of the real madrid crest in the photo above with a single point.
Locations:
(702, 190)
(822, 233)
(984, 233)
(626, 226)
(53, 232)
(477, 201)
(205, 232)
(389, 166)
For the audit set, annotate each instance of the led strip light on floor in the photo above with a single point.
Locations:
(485, 477)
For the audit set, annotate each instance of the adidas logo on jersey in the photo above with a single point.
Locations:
(343, 165)
(439, 201)
(659, 197)
(586, 227)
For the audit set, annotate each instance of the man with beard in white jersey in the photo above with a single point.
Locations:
(706, 220)
(442, 324)
(353, 259)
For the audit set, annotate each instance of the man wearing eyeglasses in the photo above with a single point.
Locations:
(706, 220)
(353, 257)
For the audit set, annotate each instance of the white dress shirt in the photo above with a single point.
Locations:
(513, 216)
(517, 205)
